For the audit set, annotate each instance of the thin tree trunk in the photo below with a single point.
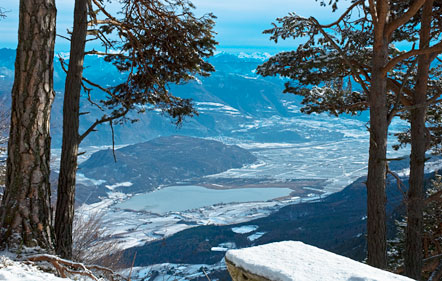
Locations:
(376, 198)
(25, 214)
(413, 238)
(68, 166)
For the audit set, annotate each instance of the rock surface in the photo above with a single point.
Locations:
(239, 274)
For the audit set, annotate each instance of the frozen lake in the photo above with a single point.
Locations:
(181, 198)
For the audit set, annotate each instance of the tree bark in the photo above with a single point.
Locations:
(71, 111)
(413, 236)
(25, 214)
(376, 198)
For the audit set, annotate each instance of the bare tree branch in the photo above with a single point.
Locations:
(349, 9)
(103, 119)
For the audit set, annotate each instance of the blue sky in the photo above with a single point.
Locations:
(239, 24)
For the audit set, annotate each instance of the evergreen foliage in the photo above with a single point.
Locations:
(159, 42)
(432, 232)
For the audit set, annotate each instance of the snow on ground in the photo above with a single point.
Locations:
(244, 229)
(296, 261)
(319, 159)
(255, 236)
(219, 249)
(15, 271)
(121, 184)
(175, 272)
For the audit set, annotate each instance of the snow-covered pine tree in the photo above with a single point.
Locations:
(357, 49)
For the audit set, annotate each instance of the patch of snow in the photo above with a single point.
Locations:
(121, 184)
(219, 249)
(180, 272)
(255, 236)
(257, 165)
(81, 178)
(296, 261)
(244, 229)
(228, 245)
(14, 271)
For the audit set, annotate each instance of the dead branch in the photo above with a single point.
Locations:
(132, 266)
(62, 266)
(113, 141)
(65, 267)
(103, 119)
(398, 181)
(436, 197)
(437, 273)
(343, 15)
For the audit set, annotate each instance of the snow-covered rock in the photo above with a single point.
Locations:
(296, 261)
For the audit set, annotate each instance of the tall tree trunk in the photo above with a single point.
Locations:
(413, 236)
(376, 198)
(68, 166)
(25, 214)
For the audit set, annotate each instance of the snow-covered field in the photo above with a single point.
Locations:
(339, 160)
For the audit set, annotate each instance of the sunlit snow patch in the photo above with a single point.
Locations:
(223, 247)
(121, 184)
(255, 236)
(219, 249)
(13, 271)
(81, 178)
(292, 261)
(244, 229)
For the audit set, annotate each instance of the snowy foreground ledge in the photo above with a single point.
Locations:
(296, 261)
